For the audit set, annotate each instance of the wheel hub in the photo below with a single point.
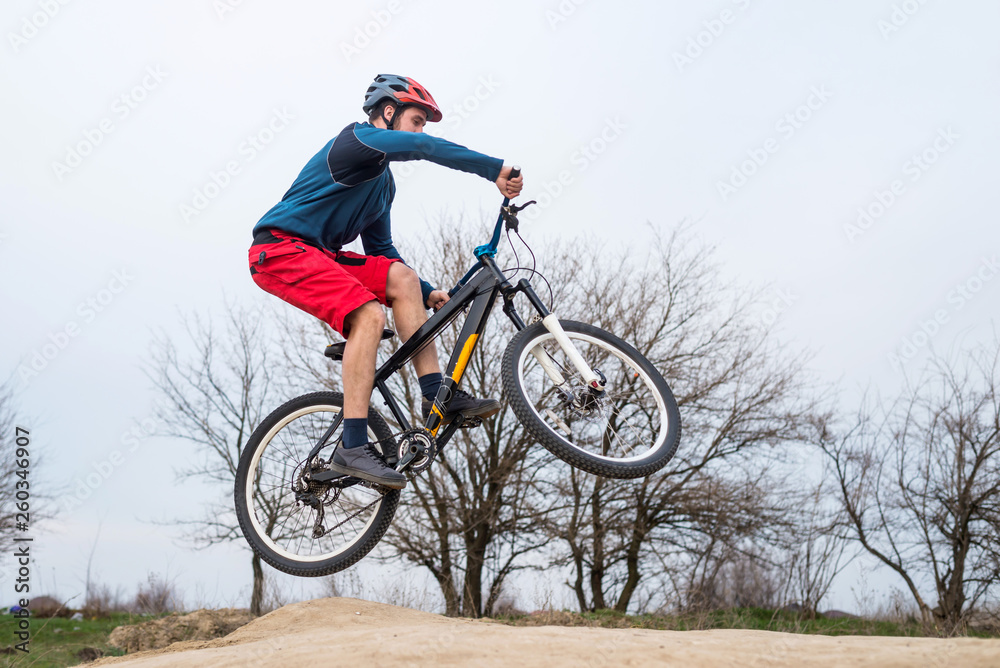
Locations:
(587, 401)
(584, 404)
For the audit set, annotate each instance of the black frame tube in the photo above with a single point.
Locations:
(478, 295)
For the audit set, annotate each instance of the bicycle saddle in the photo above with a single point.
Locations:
(335, 351)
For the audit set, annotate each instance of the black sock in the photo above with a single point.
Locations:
(430, 384)
(355, 432)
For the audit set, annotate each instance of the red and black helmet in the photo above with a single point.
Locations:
(403, 91)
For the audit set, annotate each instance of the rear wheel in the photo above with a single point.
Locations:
(629, 431)
(300, 526)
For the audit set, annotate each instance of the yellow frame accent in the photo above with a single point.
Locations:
(463, 358)
(463, 361)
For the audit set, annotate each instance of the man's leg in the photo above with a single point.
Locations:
(364, 327)
(402, 288)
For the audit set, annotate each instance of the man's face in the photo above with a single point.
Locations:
(413, 119)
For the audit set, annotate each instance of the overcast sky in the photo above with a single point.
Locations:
(840, 155)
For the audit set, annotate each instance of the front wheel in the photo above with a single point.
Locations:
(629, 431)
(302, 526)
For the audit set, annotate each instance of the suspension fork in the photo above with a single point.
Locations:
(551, 323)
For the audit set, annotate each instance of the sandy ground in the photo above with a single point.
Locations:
(348, 632)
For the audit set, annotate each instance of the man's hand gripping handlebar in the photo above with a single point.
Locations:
(510, 181)
(509, 211)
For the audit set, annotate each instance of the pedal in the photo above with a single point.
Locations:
(471, 423)
(381, 489)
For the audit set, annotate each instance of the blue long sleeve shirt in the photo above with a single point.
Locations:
(346, 190)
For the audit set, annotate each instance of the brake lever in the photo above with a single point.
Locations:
(510, 214)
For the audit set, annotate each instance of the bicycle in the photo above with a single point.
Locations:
(588, 397)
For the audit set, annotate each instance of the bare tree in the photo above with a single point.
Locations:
(742, 397)
(470, 519)
(622, 535)
(919, 480)
(214, 396)
(817, 552)
(8, 451)
(14, 478)
(724, 574)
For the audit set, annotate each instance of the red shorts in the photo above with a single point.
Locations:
(326, 284)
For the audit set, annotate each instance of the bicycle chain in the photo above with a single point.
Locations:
(318, 531)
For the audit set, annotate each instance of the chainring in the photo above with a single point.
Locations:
(421, 444)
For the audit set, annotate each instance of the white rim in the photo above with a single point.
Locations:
(251, 474)
(661, 437)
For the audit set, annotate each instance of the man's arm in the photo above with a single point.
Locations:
(401, 146)
(377, 240)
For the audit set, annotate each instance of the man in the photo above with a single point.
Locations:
(346, 191)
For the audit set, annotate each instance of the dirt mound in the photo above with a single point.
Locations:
(47, 606)
(198, 625)
(348, 632)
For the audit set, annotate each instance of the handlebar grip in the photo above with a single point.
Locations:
(515, 172)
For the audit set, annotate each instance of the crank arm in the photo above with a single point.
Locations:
(405, 461)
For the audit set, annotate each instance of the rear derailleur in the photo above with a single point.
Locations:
(316, 494)
(319, 494)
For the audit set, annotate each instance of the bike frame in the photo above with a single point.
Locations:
(476, 293)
